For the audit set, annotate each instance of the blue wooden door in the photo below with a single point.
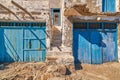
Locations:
(81, 46)
(34, 44)
(87, 46)
(21, 43)
(109, 5)
(96, 47)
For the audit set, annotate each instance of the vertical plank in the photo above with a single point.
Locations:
(109, 46)
(2, 46)
(109, 5)
(75, 45)
(96, 39)
(13, 44)
(37, 38)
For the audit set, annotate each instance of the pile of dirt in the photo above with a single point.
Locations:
(33, 71)
(45, 71)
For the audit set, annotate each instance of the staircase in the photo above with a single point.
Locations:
(56, 40)
(59, 54)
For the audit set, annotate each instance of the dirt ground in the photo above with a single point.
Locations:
(44, 71)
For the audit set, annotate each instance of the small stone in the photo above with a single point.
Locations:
(62, 69)
(29, 78)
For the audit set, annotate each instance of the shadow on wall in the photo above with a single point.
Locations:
(93, 38)
(4, 55)
(56, 37)
(81, 45)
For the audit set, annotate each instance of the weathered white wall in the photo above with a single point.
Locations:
(117, 5)
(41, 6)
(55, 3)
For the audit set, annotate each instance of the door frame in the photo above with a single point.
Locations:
(59, 16)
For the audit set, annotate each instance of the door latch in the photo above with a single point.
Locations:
(40, 49)
(30, 44)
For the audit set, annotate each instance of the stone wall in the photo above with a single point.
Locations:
(55, 3)
(67, 33)
(93, 5)
(38, 8)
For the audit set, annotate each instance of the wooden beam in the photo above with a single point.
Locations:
(4, 12)
(2, 6)
(17, 5)
(7, 9)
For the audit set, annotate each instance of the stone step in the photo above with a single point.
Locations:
(57, 27)
(56, 41)
(56, 38)
(61, 59)
(56, 51)
(56, 35)
(63, 49)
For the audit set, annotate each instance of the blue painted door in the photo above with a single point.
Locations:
(34, 44)
(109, 5)
(21, 43)
(95, 46)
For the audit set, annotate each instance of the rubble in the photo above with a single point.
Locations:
(44, 71)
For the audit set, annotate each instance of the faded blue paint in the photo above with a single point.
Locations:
(13, 39)
(95, 46)
(95, 40)
(81, 46)
(109, 48)
(34, 42)
(109, 5)
(21, 43)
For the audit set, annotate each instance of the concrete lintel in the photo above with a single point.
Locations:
(94, 19)
(7, 9)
